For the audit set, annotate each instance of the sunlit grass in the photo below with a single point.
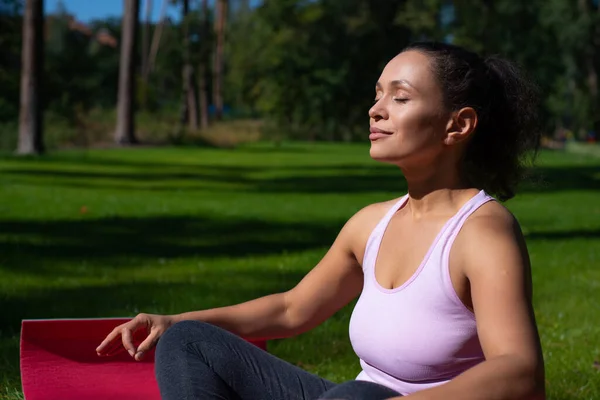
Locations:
(114, 232)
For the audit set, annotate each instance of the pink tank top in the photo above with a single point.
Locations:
(418, 335)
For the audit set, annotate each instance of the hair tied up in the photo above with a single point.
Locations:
(507, 104)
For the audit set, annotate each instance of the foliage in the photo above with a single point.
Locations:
(551, 39)
(103, 233)
(308, 67)
(72, 83)
(316, 75)
(10, 57)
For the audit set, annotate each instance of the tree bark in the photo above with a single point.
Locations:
(594, 79)
(125, 132)
(220, 20)
(30, 114)
(189, 112)
(590, 66)
(203, 67)
(146, 41)
(191, 98)
(156, 37)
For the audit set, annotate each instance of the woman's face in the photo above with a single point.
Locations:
(408, 120)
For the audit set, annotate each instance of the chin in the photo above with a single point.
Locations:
(384, 155)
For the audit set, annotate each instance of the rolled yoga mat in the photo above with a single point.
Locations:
(59, 362)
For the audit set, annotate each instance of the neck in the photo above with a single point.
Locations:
(435, 189)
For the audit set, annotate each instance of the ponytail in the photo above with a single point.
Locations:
(507, 136)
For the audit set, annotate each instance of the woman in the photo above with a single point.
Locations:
(443, 273)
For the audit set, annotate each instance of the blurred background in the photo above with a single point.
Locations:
(170, 155)
(282, 69)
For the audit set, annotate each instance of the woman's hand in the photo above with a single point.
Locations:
(153, 325)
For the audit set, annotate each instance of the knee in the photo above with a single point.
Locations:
(179, 335)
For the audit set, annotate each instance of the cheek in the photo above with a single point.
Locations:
(418, 125)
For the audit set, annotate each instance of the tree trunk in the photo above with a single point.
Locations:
(125, 132)
(595, 80)
(220, 19)
(146, 41)
(203, 67)
(587, 8)
(30, 115)
(156, 37)
(191, 98)
(589, 68)
(189, 112)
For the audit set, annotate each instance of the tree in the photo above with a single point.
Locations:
(125, 132)
(189, 112)
(292, 62)
(220, 21)
(157, 36)
(203, 66)
(11, 33)
(590, 58)
(517, 31)
(30, 115)
(146, 42)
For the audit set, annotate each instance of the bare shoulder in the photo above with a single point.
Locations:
(373, 212)
(491, 220)
(491, 237)
(357, 230)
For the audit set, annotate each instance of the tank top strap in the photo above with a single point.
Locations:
(372, 246)
(465, 212)
(446, 245)
(451, 228)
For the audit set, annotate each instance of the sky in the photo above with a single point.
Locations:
(87, 10)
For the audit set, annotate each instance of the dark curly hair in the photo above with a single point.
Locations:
(507, 137)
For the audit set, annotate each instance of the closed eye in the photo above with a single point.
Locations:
(400, 100)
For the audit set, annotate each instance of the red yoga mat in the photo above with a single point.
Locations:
(59, 362)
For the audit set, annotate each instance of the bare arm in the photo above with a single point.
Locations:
(333, 283)
(497, 266)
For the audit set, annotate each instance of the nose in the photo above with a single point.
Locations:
(378, 111)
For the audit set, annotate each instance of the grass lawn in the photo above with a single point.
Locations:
(164, 230)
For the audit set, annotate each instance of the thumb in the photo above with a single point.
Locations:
(146, 345)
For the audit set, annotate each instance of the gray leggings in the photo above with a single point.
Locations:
(196, 360)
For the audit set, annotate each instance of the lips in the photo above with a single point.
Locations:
(377, 133)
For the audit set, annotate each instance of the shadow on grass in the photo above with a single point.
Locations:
(126, 300)
(337, 178)
(211, 289)
(565, 235)
(38, 247)
(553, 179)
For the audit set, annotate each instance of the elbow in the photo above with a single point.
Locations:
(534, 382)
(523, 378)
(538, 391)
(297, 316)
(292, 319)
(539, 380)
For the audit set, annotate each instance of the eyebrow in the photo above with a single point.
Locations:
(399, 82)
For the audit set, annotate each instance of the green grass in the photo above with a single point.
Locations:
(589, 149)
(164, 230)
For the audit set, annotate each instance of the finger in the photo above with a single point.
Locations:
(114, 348)
(146, 345)
(128, 341)
(102, 348)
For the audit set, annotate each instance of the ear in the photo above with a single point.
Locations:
(461, 126)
